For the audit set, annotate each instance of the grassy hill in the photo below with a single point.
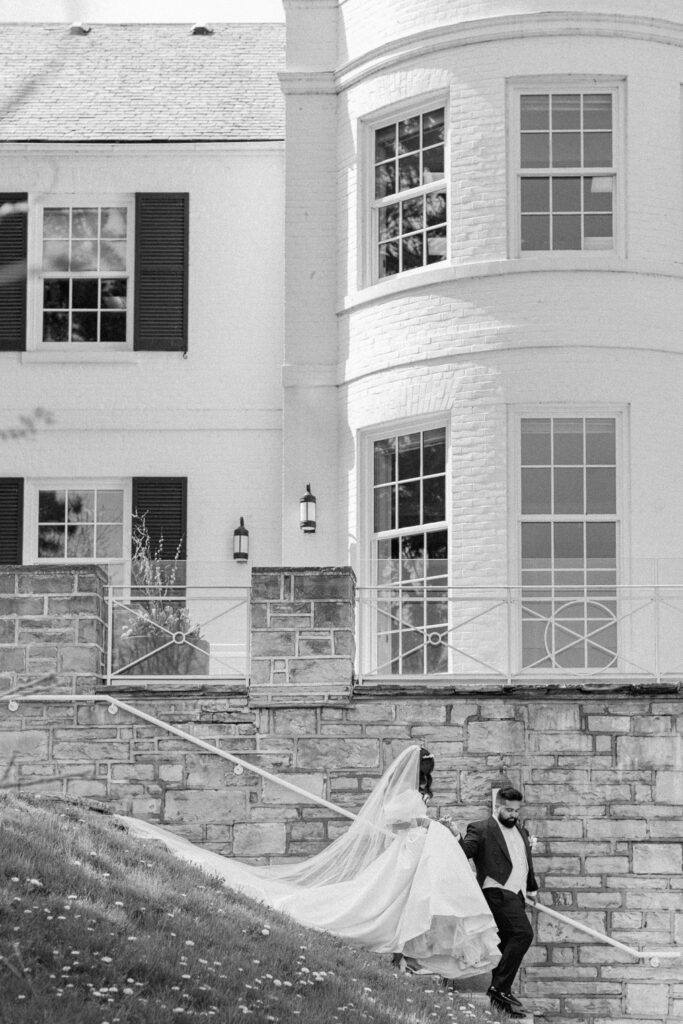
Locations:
(99, 928)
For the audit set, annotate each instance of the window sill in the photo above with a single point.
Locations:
(531, 263)
(105, 357)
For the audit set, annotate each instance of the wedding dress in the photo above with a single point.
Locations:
(388, 884)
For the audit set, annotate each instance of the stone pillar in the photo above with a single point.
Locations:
(302, 636)
(52, 628)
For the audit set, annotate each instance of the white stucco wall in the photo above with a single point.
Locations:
(214, 416)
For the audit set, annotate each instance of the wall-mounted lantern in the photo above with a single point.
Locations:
(240, 542)
(307, 511)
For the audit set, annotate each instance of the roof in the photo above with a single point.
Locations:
(139, 83)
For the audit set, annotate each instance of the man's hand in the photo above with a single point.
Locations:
(453, 829)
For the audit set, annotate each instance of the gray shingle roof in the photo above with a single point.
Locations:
(141, 82)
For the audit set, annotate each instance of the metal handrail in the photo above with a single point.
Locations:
(14, 699)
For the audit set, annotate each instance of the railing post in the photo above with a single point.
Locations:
(110, 630)
(657, 622)
(509, 632)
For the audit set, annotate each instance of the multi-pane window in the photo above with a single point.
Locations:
(411, 552)
(86, 267)
(566, 170)
(568, 542)
(410, 203)
(80, 523)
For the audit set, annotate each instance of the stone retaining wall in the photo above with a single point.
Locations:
(602, 776)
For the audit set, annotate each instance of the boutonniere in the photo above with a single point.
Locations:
(533, 842)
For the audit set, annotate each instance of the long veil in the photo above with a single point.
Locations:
(365, 839)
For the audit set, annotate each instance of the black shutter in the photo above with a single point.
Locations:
(161, 271)
(163, 502)
(13, 275)
(11, 520)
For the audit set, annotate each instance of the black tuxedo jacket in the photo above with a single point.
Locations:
(484, 844)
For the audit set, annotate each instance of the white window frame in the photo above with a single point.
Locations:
(584, 411)
(368, 126)
(37, 205)
(543, 85)
(366, 574)
(31, 491)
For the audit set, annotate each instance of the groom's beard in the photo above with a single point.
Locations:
(507, 822)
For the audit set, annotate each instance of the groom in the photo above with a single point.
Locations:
(500, 849)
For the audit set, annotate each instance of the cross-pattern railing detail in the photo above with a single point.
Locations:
(510, 632)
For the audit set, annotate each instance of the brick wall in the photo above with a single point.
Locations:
(602, 775)
(52, 629)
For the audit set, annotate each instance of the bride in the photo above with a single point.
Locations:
(395, 882)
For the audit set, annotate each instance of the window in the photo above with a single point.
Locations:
(86, 262)
(566, 155)
(410, 552)
(410, 198)
(108, 272)
(569, 527)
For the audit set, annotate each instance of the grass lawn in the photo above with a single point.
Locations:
(100, 928)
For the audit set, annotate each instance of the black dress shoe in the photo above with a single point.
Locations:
(505, 1002)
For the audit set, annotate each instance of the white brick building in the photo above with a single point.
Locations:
(478, 285)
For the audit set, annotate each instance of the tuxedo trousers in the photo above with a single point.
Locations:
(516, 934)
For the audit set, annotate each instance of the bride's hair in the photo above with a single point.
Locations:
(426, 769)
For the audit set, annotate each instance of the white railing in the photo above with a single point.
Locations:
(512, 633)
(114, 705)
(179, 632)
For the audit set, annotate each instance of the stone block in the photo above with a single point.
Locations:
(37, 582)
(333, 615)
(647, 1000)
(23, 745)
(170, 773)
(80, 659)
(88, 788)
(608, 828)
(294, 722)
(653, 725)
(669, 787)
(83, 604)
(90, 631)
(12, 659)
(90, 750)
(258, 840)
(265, 586)
(312, 646)
(658, 858)
(215, 806)
(607, 723)
(324, 585)
(337, 753)
(344, 642)
(132, 772)
(289, 622)
(560, 743)
(21, 606)
(273, 793)
(420, 712)
(650, 752)
(556, 717)
(260, 671)
(8, 582)
(272, 643)
(259, 615)
(607, 865)
(320, 672)
(8, 631)
(501, 737)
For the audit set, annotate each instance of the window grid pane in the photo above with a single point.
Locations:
(568, 543)
(411, 565)
(85, 274)
(80, 523)
(566, 134)
(409, 158)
